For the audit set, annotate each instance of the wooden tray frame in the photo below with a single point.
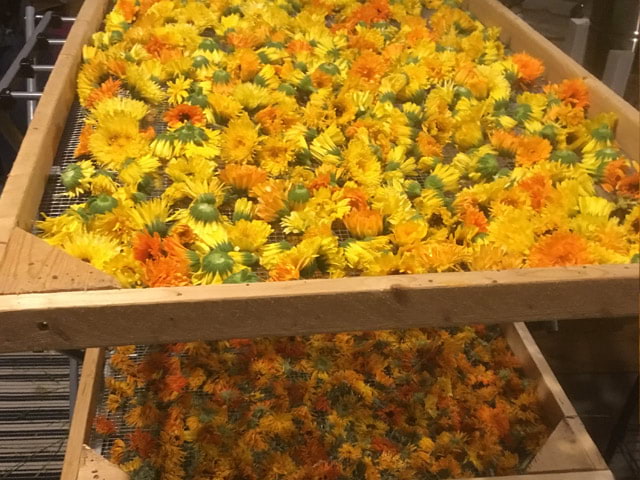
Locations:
(568, 454)
(48, 299)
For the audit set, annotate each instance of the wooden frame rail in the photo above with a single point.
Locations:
(44, 294)
(161, 315)
(568, 454)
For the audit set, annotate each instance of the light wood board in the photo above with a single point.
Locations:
(83, 413)
(162, 315)
(31, 265)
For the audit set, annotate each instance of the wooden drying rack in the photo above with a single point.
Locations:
(49, 300)
(568, 453)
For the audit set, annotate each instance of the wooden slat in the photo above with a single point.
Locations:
(569, 447)
(94, 466)
(32, 265)
(163, 315)
(84, 411)
(25, 184)
(522, 37)
(550, 393)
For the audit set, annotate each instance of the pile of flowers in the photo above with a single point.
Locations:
(237, 141)
(413, 405)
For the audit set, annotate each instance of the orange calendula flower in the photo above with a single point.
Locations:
(83, 141)
(363, 223)
(127, 8)
(143, 443)
(505, 142)
(529, 68)
(274, 119)
(104, 425)
(574, 92)
(107, 89)
(298, 46)
(429, 146)
(560, 249)
(370, 12)
(271, 197)
(243, 177)
(471, 215)
(368, 68)
(183, 113)
(539, 188)
(531, 150)
(284, 272)
(621, 177)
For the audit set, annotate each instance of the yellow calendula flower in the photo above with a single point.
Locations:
(239, 140)
(92, 248)
(249, 235)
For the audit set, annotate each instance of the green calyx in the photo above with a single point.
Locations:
(603, 133)
(299, 194)
(217, 262)
(388, 97)
(413, 189)
(71, 176)
(200, 61)
(204, 211)
(392, 166)
(549, 132)
(209, 45)
(566, 157)
(158, 226)
(488, 165)
(306, 84)
(221, 76)
(243, 276)
(329, 68)
(115, 37)
(197, 97)
(607, 153)
(101, 204)
(433, 182)
(206, 198)
(462, 92)
(287, 89)
(522, 112)
(190, 133)
(139, 197)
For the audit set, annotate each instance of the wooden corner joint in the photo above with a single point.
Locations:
(30, 265)
(94, 466)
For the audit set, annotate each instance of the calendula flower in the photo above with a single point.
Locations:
(531, 150)
(364, 223)
(559, 249)
(529, 68)
(183, 113)
(243, 177)
(249, 235)
(91, 248)
(239, 140)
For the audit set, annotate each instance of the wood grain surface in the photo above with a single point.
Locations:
(31, 265)
(84, 411)
(162, 315)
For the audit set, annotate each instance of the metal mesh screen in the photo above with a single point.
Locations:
(54, 201)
